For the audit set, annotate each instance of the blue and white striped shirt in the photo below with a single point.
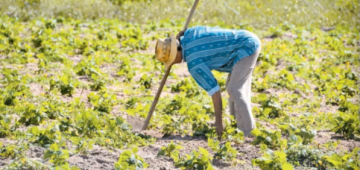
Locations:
(206, 48)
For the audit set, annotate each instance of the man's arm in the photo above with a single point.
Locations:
(204, 78)
(216, 98)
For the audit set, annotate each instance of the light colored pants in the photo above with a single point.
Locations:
(238, 85)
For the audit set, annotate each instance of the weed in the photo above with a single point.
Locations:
(130, 160)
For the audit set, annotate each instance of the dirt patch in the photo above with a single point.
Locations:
(110, 69)
(153, 133)
(247, 152)
(149, 153)
(84, 79)
(76, 59)
(97, 158)
(6, 141)
(281, 64)
(36, 153)
(36, 89)
(136, 122)
(33, 152)
(181, 70)
(267, 125)
(344, 145)
(289, 36)
(104, 158)
(29, 68)
(79, 93)
(5, 162)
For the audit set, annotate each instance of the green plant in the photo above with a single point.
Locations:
(13, 150)
(135, 43)
(306, 134)
(33, 115)
(98, 85)
(233, 134)
(273, 160)
(58, 156)
(53, 109)
(146, 81)
(16, 87)
(349, 107)
(306, 156)
(46, 136)
(82, 145)
(118, 134)
(126, 70)
(172, 150)
(270, 106)
(172, 125)
(270, 138)
(88, 68)
(174, 106)
(88, 123)
(120, 2)
(66, 85)
(303, 131)
(346, 124)
(186, 86)
(346, 161)
(201, 128)
(224, 152)
(200, 160)
(130, 160)
(102, 101)
(5, 125)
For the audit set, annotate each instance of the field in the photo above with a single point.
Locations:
(76, 78)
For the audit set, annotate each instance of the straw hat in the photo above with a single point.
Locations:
(165, 50)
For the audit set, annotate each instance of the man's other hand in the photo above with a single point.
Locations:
(181, 33)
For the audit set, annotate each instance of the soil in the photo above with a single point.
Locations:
(104, 158)
(344, 145)
(136, 122)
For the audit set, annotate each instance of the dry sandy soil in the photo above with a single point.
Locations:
(104, 158)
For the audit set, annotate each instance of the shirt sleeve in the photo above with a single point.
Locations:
(203, 76)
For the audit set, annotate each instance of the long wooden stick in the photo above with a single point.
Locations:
(190, 15)
(151, 111)
(149, 115)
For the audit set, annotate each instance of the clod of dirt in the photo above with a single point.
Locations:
(135, 122)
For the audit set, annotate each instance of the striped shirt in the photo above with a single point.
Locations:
(206, 48)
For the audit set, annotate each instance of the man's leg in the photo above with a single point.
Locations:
(239, 88)
(231, 102)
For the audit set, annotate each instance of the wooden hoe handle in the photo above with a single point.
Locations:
(147, 121)
(190, 15)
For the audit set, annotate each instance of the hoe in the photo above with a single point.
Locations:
(146, 123)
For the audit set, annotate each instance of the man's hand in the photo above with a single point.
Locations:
(219, 129)
(216, 98)
(181, 33)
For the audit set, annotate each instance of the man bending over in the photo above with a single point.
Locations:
(225, 50)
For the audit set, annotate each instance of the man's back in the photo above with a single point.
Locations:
(205, 49)
(219, 48)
